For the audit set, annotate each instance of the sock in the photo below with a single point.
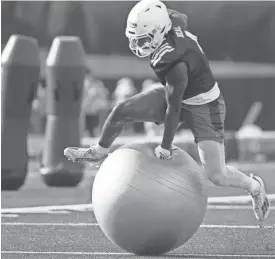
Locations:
(255, 186)
(101, 149)
(236, 178)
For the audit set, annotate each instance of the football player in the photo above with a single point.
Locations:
(189, 92)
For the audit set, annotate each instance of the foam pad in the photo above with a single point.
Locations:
(19, 81)
(65, 71)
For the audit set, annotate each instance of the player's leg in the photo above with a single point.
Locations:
(146, 106)
(207, 124)
(213, 160)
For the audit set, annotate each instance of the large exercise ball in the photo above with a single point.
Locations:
(145, 205)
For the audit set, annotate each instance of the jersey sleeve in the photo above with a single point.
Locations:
(162, 59)
(174, 47)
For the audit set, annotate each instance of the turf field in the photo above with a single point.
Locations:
(35, 225)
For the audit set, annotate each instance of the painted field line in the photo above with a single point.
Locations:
(84, 207)
(47, 224)
(235, 199)
(41, 209)
(232, 207)
(10, 215)
(129, 254)
(237, 226)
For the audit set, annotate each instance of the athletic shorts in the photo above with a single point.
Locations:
(206, 121)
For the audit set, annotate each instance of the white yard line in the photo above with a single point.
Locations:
(46, 224)
(129, 254)
(235, 199)
(65, 210)
(212, 201)
(9, 215)
(41, 209)
(232, 207)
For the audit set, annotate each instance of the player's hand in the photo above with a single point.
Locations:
(162, 153)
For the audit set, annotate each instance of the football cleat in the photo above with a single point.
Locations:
(90, 154)
(260, 201)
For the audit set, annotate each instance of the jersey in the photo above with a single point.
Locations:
(182, 46)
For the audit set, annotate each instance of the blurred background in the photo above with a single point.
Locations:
(237, 31)
(237, 37)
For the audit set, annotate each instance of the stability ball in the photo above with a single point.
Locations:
(145, 205)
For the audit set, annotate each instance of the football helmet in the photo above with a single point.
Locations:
(147, 24)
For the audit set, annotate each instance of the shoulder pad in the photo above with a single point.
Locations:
(178, 19)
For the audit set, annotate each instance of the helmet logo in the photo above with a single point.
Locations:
(133, 24)
(154, 31)
(157, 28)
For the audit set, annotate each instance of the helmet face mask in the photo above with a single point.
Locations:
(142, 46)
(147, 24)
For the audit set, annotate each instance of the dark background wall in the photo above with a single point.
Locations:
(228, 31)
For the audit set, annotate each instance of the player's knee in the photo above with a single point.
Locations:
(217, 177)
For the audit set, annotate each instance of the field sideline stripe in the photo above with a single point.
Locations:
(77, 207)
(233, 207)
(10, 215)
(82, 207)
(235, 199)
(46, 224)
(65, 210)
(183, 255)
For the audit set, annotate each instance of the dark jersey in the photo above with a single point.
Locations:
(182, 46)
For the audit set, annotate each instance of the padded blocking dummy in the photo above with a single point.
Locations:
(19, 79)
(65, 71)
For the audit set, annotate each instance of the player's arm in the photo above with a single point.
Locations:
(177, 79)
